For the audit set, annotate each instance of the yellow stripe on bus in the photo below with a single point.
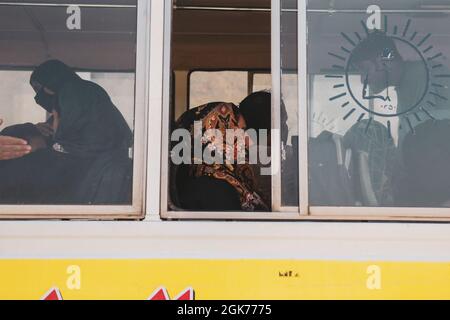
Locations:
(224, 279)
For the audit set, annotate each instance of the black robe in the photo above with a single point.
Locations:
(86, 162)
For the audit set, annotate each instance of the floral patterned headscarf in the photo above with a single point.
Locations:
(220, 117)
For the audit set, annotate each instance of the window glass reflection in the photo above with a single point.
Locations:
(67, 103)
(379, 105)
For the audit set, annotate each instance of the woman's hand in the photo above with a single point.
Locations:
(13, 148)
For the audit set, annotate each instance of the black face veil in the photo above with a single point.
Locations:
(53, 75)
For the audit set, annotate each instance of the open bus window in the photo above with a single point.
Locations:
(379, 104)
(67, 91)
(208, 43)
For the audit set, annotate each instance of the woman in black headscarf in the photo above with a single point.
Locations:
(86, 160)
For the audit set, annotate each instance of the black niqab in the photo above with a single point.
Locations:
(88, 160)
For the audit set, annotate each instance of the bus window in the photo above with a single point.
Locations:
(261, 82)
(379, 106)
(208, 38)
(67, 92)
(230, 86)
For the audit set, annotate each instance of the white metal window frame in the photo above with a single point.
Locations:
(305, 211)
(156, 239)
(279, 213)
(345, 213)
(136, 209)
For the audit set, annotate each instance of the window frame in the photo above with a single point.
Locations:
(108, 212)
(279, 213)
(305, 211)
(345, 213)
(152, 94)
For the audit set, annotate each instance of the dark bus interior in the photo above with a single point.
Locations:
(218, 37)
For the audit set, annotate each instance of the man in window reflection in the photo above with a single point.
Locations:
(422, 174)
(79, 156)
(383, 67)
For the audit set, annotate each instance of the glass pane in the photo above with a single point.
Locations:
(379, 103)
(262, 82)
(289, 104)
(75, 113)
(212, 163)
(16, 93)
(229, 86)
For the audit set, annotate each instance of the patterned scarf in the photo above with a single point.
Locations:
(222, 117)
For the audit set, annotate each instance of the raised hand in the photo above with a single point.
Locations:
(13, 148)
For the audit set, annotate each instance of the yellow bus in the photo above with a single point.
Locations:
(358, 95)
